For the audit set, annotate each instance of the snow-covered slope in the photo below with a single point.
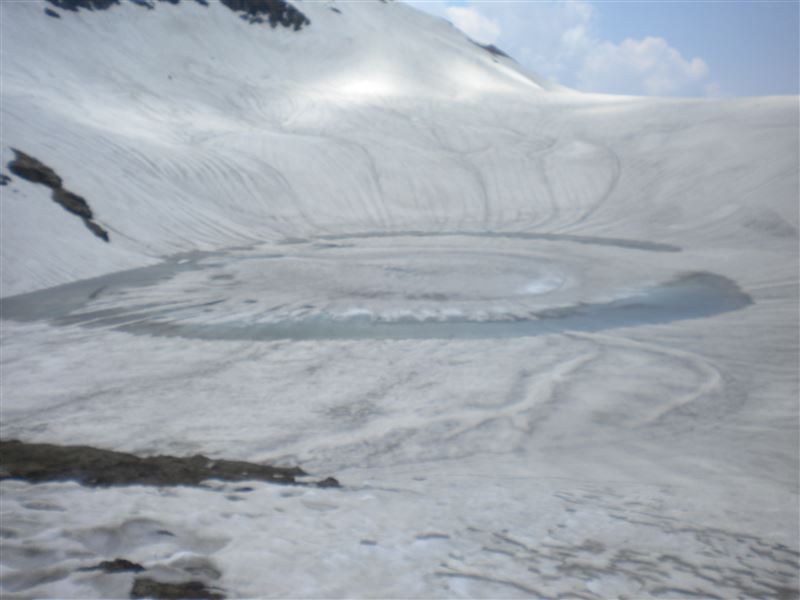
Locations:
(338, 201)
(183, 125)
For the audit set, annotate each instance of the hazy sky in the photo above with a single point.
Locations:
(652, 47)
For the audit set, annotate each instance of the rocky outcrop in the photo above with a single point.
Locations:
(118, 565)
(75, 5)
(101, 468)
(492, 49)
(144, 587)
(96, 229)
(35, 171)
(72, 203)
(274, 12)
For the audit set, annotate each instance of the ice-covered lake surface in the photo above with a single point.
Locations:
(355, 290)
(547, 341)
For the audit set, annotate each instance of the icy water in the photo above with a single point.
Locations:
(195, 312)
(693, 296)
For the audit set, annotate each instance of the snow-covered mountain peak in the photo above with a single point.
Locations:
(355, 51)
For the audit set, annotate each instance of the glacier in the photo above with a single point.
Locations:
(546, 340)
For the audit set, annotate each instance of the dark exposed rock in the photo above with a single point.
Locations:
(72, 203)
(328, 482)
(336, 10)
(52, 13)
(95, 467)
(74, 5)
(144, 587)
(4, 179)
(492, 49)
(35, 171)
(276, 12)
(96, 229)
(29, 168)
(118, 565)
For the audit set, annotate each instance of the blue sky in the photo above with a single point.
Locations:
(650, 47)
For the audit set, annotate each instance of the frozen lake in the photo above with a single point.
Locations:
(345, 291)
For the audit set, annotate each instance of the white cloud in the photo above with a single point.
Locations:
(560, 41)
(474, 24)
(649, 66)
